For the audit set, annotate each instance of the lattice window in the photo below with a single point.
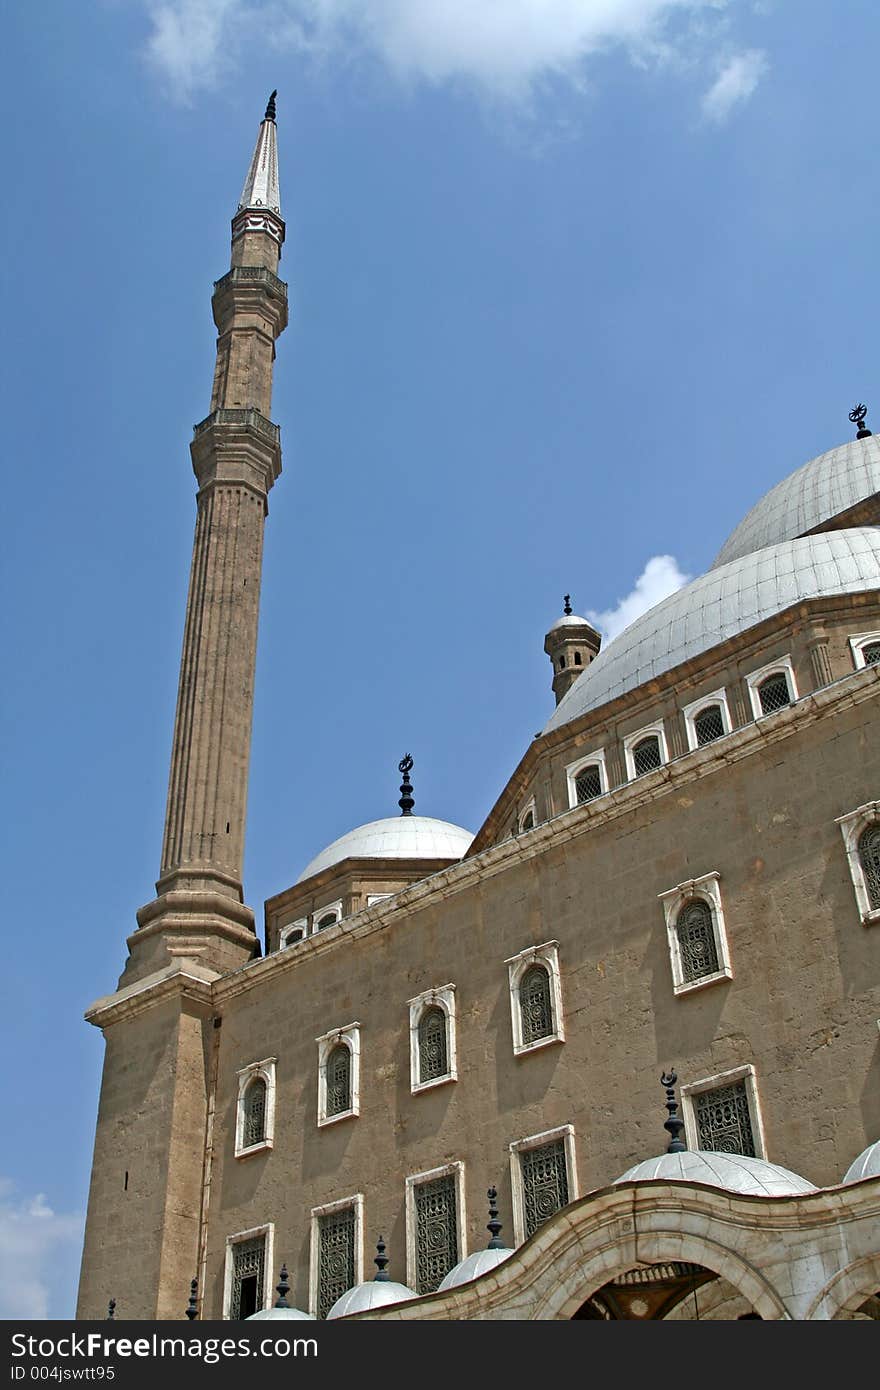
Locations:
(869, 859)
(339, 1080)
(723, 1119)
(588, 783)
(773, 693)
(433, 1047)
(544, 1183)
(436, 1209)
(336, 1257)
(708, 724)
(696, 940)
(248, 1274)
(646, 755)
(254, 1119)
(535, 1004)
(871, 653)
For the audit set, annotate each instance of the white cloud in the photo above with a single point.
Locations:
(32, 1239)
(734, 84)
(504, 47)
(660, 578)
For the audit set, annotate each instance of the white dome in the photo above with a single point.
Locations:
(376, 1293)
(472, 1266)
(867, 1165)
(734, 1172)
(570, 620)
(819, 491)
(395, 837)
(280, 1313)
(721, 604)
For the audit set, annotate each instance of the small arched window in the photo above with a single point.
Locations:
(528, 821)
(254, 1118)
(433, 1047)
(773, 693)
(708, 724)
(869, 859)
(646, 755)
(562, 663)
(588, 783)
(339, 1080)
(871, 653)
(535, 1005)
(697, 947)
(577, 658)
(329, 919)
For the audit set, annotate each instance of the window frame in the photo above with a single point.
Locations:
(707, 888)
(443, 998)
(267, 1231)
(301, 925)
(356, 1200)
(350, 1036)
(456, 1170)
(596, 758)
(695, 708)
(527, 810)
(537, 1141)
(547, 954)
(783, 665)
(335, 907)
(266, 1070)
(715, 1083)
(857, 643)
(656, 730)
(852, 826)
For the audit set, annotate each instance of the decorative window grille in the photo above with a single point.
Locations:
(869, 859)
(339, 1081)
(336, 1263)
(544, 1183)
(436, 1231)
(708, 724)
(588, 783)
(248, 1274)
(773, 692)
(433, 1047)
(696, 940)
(535, 1005)
(254, 1120)
(646, 755)
(871, 653)
(724, 1123)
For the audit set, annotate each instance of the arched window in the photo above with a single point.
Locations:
(536, 1009)
(339, 1080)
(869, 859)
(588, 782)
(708, 724)
(528, 821)
(254, 1117)
(773, 692)
(329, 919)
(646, 755)
(562, 663)
(577, 658)
(433, 1048)
(698, 951)
(871, 653)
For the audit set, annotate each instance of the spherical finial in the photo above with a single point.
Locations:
(857, 416)
(192, 1308)
(673, 1124)
(567, 601)
(282, 1288)
(270, 107)
(111, 1308)
(493, 1226)
(381, 1261)
(406, 802)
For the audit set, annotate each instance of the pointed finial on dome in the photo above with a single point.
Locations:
(493, 1226)
(567, 601)
(674, 1124)
(380, 1261)
(192, 1308)
(111, 1308)
(857, 416)
(406, 802)
(282, 1288)
(270, 107)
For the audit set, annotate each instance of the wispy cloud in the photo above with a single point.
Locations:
(32, 1239)
(734, 84)
(660, 578)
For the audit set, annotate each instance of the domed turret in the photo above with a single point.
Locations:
(571, 644)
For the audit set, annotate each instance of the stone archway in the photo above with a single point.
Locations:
(854, 1291)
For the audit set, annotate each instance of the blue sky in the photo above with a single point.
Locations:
(573, 282)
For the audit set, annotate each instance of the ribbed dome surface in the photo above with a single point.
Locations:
(472, 1266)
(754, 1177)
(867, 1165)
(395, 837)
(376, 1293)
(290, 1313)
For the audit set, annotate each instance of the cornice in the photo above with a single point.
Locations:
(184, 979)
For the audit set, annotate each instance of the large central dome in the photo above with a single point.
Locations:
(395, 837)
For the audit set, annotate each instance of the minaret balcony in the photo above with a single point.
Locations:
(237, 446)
(247, 292)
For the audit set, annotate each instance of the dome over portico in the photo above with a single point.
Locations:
(754, 1177)
(394, 837)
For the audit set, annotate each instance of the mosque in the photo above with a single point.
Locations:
(683, 871)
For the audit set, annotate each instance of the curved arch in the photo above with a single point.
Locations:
(847, 1289)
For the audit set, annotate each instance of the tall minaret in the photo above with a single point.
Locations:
(236, 456)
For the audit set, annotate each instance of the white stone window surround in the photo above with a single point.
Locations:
(712, 1083)
(301, 925)
(377, 898)
(852, 826)
(783, 665)
(415, 1180)
(350, 1037)
(443, 998)
(629, 743)
(329, 1209)
(335, 908)
(857, 645)
(708, 889)
(268, 1234)
(266, 1070)
(690, 712)
(573, 770)
(547, 954)
(528, 809)
(536, 1141)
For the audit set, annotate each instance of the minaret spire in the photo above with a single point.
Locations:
(259, 207)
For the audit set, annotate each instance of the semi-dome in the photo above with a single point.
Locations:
(395, 837)
(867, 1165)
(719, 605)
(754, 1177)
(472, 1266)
(825, 488)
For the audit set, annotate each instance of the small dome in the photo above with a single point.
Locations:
(867, 1165)
(472, 1266)
(280, 1313)
(375, 1293)
(395, 837)
(570, 620)
(754, 1177)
